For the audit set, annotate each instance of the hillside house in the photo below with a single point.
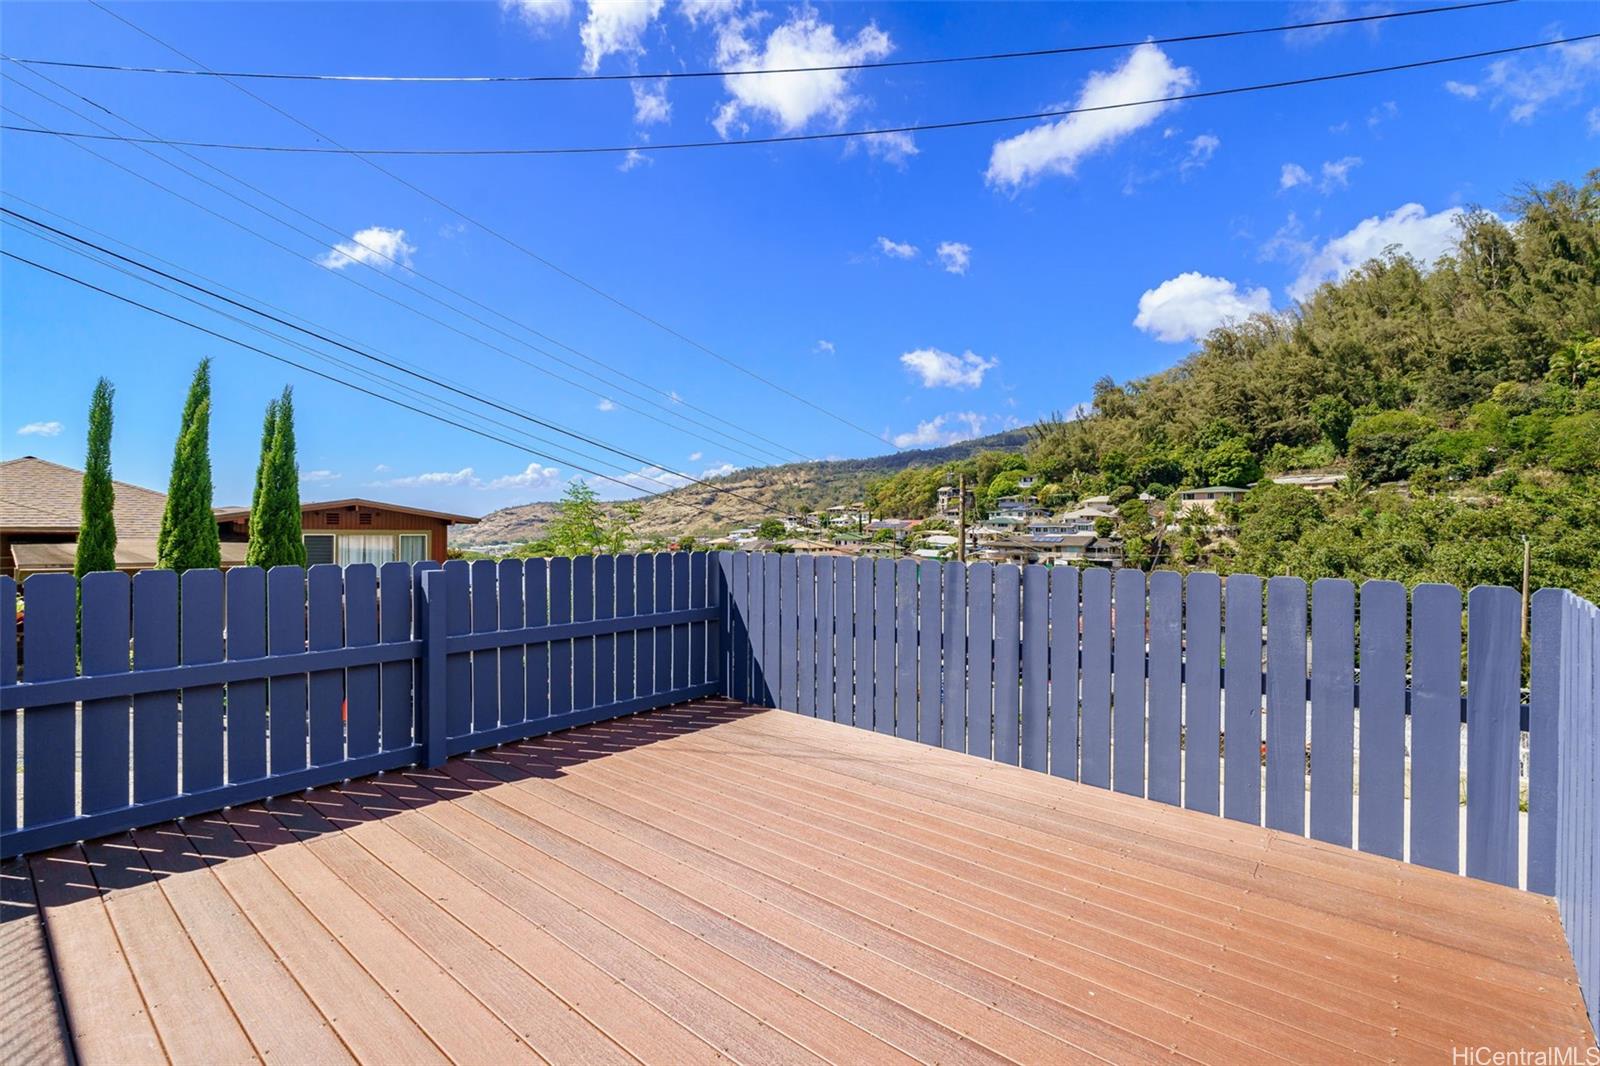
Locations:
(1209, 498)
(360, 531)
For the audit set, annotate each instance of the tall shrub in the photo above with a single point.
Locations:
(269, 426)
(275, 538)
(188, 537)
(97, 529)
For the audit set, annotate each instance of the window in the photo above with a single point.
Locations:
(319, 548)
(413, 547)
(365, 548)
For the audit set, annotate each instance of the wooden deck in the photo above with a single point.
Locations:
(716, 882)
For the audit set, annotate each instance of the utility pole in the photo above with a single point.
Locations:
(961, 515)
(1525, 561)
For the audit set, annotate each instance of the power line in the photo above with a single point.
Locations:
(837, 135)
(673, 75)
(519, 246)
(377, 358)
(738, 446)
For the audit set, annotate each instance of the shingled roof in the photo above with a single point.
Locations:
(38, 496)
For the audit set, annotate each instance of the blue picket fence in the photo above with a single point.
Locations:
(186, 695)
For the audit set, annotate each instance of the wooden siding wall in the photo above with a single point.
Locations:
(223, 688)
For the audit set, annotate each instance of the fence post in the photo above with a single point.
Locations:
(431, 631)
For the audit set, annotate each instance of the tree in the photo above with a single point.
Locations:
(770, 529)
(269, 426)
(275, 523)
(1231, 463)
(97, 530)
(582, 525)
(1333, 415)
(1381, 444)
(188, 536)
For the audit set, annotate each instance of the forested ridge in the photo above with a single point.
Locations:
(1460, 398)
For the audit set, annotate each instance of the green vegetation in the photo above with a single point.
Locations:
(188, 535)
(1461, 399)
(275, 537)
(97, 530)
(583, 526)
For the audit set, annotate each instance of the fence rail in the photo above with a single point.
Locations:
(176, 696)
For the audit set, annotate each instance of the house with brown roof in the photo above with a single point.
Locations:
(40, 515)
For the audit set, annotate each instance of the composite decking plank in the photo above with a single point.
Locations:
(1016, 1021)
(34, 1032)
(107, 1016)
(280, 1020)
(916, 899)
(1096, 881)
(604, 924)
(373, 1026)
(811, 986)
(1427, 903)
(1017, 912)
(543, 1021)
(190, 1012)
(462, 1026)
(526, 926)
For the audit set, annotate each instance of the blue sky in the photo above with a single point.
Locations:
(923, 288)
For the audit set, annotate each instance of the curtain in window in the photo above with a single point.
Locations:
(365, 548)
(413, 547)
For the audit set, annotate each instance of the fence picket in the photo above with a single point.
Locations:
(1333, 695)
(980, 660)
(806, 627)
(844, 641)
(825, 680)
(757, 613)
(394, 679)
(1202, 694)
(559, 606)
(50, 733)
(1241, 779)
(771, 613)
(325, 688)
(1544, 739)
(1494, 690)
(929, 652)
(1286, 705)
(954, 624)
(1436, 726)
(1064, 672)
(1128, 692)
(788, 621)
(882, 618)
(605, 645)
(627, 579)
(1095, 719)
(1035, 654)
(536, 609)
(458, 674)
(107, 611)
(485, 593)
(1007, 663)
(644, 639)
(740, 642)
(583, 647)
(1166, 687)
(10, 816)
(680, 631)
(361, 682)
(246, 608)
(905, 647)
(699, 632)
(1383, 719)
(201, 734)
(865, 599)
(513, 659)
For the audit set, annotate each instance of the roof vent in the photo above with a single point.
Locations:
(364, 518)
(332, 517)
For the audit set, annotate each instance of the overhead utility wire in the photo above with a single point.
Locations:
(435, 402)
(309, 370)
(737, 445)
(519, 246)
(837, 135)
(672, 75)
(378, 358)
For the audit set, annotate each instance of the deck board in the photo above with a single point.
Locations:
(716, 883)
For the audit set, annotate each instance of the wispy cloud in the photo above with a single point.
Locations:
(954, 256)
(1526, 85)
(40, 429)
(375, 246)
(897, 249)
(605, 404)
(940, 369)
(823, 348)
(540, 16)
(650, 103)
(943, 429)
(1291, 175)
(318, 477)
(1201, 149)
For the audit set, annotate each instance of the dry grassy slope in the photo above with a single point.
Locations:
(761, 492)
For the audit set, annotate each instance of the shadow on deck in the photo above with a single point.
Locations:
(716, 881)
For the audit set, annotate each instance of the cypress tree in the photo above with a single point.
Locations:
(97, 529)
(269, 426)
(188, 537)
(275, 538)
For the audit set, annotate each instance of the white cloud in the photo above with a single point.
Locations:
(464, 476)
(1292, 174)
(650, 103)
(939, 369)
(896, 249)
(954, 256)
(1594, 122)
(40, 429)
(381, 468)
(1410, 228)
(376, 246)
(942, 429)
(533, 476)
(793, 100)
(1382, 113)
(895, 147)
(1336, 173)
(694, 457)
(660, 479)
(1191, 305)
(1201, 149)
(539, 15)
(1057, 147)
(318, 477)
(1524, 85)
(634, 158)
(1288, 244)
(823, 348)
(605, 404)
(613, 27)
